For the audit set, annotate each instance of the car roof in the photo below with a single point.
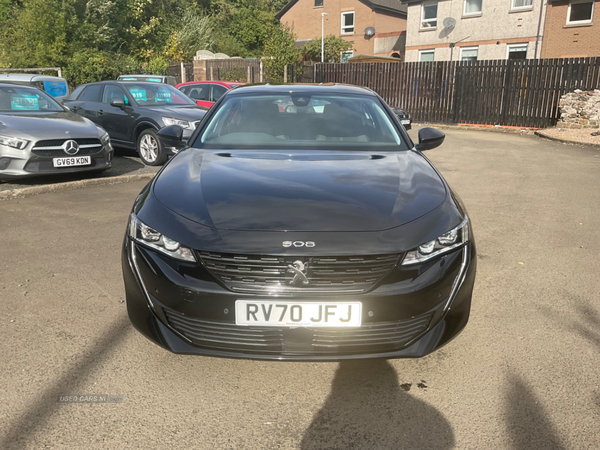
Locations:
(222, 83)
(332, 88)
(143, 75)
(28, 77)
(12, 85)
(126, 82)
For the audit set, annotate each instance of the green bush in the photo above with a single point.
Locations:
(87, 66)
(158, 66)
(234, 74)
(280, 51)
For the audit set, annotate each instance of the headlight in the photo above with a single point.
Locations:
(105, 139)
(443, 244)
(13, 142)
(149, 237)
(182, 123)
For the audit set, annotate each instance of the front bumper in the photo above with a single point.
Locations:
(17, 164)
(409, 313)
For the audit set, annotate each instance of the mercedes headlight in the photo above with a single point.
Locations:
(142, 233)
(182, 123)
(105, 139)
(13, 142)
(443, 244)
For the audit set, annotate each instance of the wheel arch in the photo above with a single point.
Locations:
(144, 125)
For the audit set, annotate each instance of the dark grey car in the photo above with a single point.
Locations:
(38, 136)
(133, 112)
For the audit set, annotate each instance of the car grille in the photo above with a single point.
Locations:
(54, 147)
(377, 337)
(324, 273)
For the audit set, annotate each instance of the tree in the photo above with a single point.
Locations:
(279, 51)
(88, 65)
(334, 46)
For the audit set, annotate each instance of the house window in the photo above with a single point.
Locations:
(348, 22)
(521, 4)
(469, 53)
(426, 55)
(345, 56)
(472, 7)
(429, 15)
(517, 51)
(580, 12)
(318, 3)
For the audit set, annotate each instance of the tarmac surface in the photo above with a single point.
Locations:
(523, 375)
(125, 163)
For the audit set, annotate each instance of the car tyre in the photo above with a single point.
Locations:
(150, 148)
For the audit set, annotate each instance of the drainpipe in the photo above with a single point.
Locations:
(537, 38)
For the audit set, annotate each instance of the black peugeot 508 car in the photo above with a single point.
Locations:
(132, 113)
(318, 232)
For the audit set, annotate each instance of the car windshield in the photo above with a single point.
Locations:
(301, 121)
(147, 94)
(22, 99)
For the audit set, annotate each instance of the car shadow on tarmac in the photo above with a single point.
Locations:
(367, 409)
(22, 428)
(527, 423)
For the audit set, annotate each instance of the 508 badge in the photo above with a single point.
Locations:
(298, 244)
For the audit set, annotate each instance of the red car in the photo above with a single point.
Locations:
(206, 93)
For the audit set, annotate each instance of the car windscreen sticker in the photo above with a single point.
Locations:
(138, 94)
(163, 96)
(24, 102)
(55, 88)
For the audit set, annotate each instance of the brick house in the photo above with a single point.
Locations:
(349, 19)
(570, 30)
(447, 30)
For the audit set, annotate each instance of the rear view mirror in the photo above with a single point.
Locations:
(172, 136)
(118, 103)
(429, 138)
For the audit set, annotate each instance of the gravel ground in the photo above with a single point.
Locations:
(123, 164)
(583, 136)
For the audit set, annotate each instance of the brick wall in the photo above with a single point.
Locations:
(563, 41)
(306, 21)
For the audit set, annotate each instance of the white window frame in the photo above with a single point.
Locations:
(524, 44)
(520, 8)
(580, 22)
(462, 49)
(465, 13)
(421, 52)
(423, 5)
(345, 13)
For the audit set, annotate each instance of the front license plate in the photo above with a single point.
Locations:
(405, 122)
(297, 314)
(73, 161)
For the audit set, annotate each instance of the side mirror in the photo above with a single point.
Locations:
(171, 136)
(429, 138)
(118, 103)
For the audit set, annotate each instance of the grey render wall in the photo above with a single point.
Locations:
(496, 23)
